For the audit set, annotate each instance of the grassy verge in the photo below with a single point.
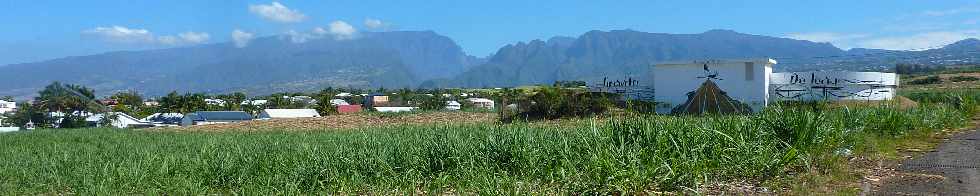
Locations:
(637, 153)
(873, 153)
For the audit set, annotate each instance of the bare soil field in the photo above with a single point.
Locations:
(348, 121)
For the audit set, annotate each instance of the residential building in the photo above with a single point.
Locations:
(394, 109)
(215, 102)
(338, 102)
(117, 120)
(376, 100)
(453, 105)
(214, 117)
(347, 109)
(7, 107)
(482, 103)
(288, 113)
(164, 119)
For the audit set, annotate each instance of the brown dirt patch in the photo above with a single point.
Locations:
(348, 121)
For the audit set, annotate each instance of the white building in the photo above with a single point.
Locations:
(164, 119)
(453, 105)
(5, 128)
(834, 85)
(215, 102)
(288, 113)
(394, 109)
(712, 86)
(257, 102)
(481, 103)
(214, 117)
(7, 107)
(118, 120)
(338, 102)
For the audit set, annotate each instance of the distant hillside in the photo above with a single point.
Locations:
(266, 65)
(597, 53)
(429, 60)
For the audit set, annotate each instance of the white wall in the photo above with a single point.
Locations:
(746, 81)
(811, 86)
(630, 86)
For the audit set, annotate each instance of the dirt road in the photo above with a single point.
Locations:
(952, 169)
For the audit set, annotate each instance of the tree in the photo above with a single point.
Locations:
(28, 112)
(186, 103)
(233, 102)
(58, 97)
(129, 102)
(432, 102)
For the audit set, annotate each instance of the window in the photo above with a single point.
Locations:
(749, 71)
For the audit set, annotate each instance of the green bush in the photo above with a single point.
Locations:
(963, 78)
(554, 103)
(927, 80)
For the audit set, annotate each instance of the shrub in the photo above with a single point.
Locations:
(963, 79)
(554, 103)
(432, 103)
(927, 80)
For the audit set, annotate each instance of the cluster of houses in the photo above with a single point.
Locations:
(342, 102)
(7, 107)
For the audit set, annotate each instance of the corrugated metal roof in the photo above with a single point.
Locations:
(220, 116)
(289, 113)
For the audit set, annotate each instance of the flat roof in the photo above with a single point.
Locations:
(760, 61)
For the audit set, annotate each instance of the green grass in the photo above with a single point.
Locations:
(630, 154)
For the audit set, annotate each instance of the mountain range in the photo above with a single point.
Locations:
(425, 59)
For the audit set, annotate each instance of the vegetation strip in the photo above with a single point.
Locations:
(632, 154)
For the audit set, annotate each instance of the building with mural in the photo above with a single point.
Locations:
(742, 86)
(832, 86)
(712, 86)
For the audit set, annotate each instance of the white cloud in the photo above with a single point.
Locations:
(838, 39)
(920, 41)
(241, 38)
(375, 24)
(168, 40)
(191, 37)
(319, 31)
(339, 30)
(342, 31)
(120, 34)
(950, 12)
(277, 12)
(298, 37)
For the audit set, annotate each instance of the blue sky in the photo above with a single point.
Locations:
(36, 30)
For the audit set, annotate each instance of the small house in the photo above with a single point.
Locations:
(151, 103)
(306, 100)
(482, 103)
(7, 107)
(288, 113)
(257, 102)
(117, 120)
(338, 102)
(375, 100)
(214, 117)
(215, 102)
(164, 119)
(394, 109)
(4, 128)
(453, 105)
(347, 109)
